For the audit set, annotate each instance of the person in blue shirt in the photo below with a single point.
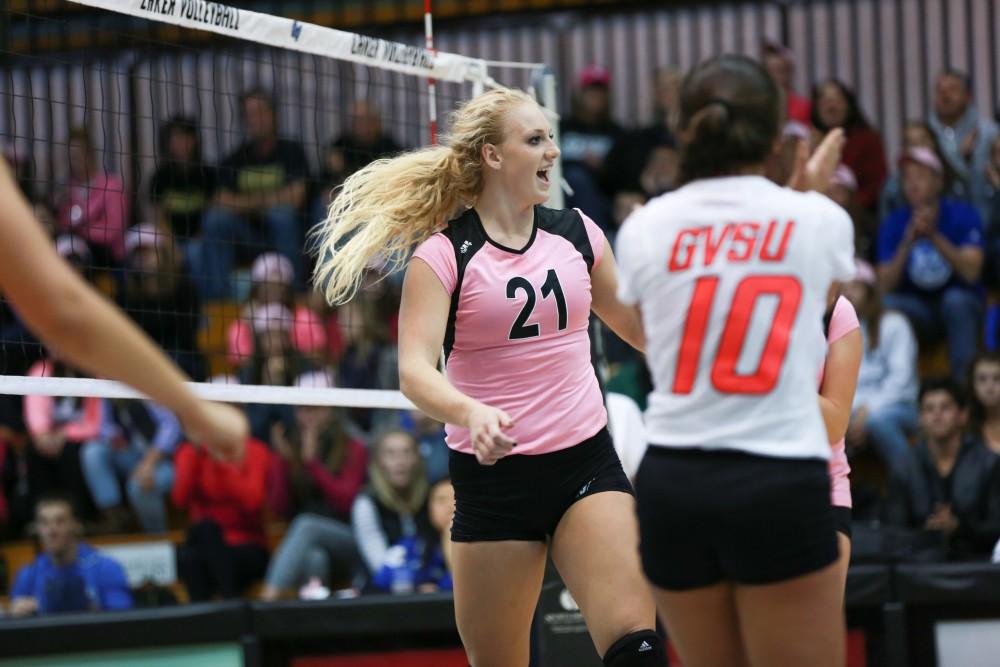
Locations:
(930, 260)
(415, 563)
(137, 444)
(69, 575)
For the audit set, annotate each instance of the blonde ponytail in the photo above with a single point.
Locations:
(385, 209)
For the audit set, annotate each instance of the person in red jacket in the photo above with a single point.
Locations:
(320, 470)
(226, 546)
(835, 105)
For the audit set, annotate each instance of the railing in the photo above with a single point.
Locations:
(908, 614)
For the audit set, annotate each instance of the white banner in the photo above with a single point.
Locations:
(297, 36)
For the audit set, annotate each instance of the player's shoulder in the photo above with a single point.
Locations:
(559, 220)
(464, 223)
(463, 236)
(574, 226)
(844, 310)
(843, 305)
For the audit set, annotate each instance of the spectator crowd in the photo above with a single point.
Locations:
(214, 271)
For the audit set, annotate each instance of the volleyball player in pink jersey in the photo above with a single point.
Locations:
(506, 286)
(837, 381)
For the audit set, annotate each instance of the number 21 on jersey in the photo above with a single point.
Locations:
(551, 287)
(724, 375)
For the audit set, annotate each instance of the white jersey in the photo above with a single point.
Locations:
(731, 275)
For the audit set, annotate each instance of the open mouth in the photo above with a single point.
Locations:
(543, 174)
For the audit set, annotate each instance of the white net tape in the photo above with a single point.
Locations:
(297, 36)
(230, 393)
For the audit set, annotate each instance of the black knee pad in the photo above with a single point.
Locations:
(644, 648)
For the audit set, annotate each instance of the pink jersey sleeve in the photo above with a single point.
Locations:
(438, 253)
(843, 321)
(595, 235)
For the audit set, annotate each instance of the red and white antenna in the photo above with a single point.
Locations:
(431, 82)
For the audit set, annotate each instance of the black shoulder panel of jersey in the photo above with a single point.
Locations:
(567, 223)
(467, 238)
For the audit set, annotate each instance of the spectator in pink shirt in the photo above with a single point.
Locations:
(58, 427)
(95, 205)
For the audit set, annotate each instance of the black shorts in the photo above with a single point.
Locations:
(523, 497)
(708, 516)
(842, 520)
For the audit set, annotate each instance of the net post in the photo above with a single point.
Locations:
(548, 94)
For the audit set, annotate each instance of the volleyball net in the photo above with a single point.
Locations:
(179, 152)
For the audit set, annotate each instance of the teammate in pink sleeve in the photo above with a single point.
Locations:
(506, 287)
(838, 380)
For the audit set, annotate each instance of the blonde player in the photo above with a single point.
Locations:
(731, 274)
(506, 288)
(68, 315)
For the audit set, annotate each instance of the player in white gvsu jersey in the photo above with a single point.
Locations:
(731, 274)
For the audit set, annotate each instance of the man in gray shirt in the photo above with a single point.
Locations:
(965, 136)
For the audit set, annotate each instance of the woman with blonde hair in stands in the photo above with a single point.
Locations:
(393, 507)
(506, 287)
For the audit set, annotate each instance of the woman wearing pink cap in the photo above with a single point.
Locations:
(275, 362)
(272, 276)
(930, 257)
(843, 189)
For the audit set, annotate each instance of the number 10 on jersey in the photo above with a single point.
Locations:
(724, 376)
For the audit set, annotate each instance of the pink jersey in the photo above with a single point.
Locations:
(517, 336)
(843, 321)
